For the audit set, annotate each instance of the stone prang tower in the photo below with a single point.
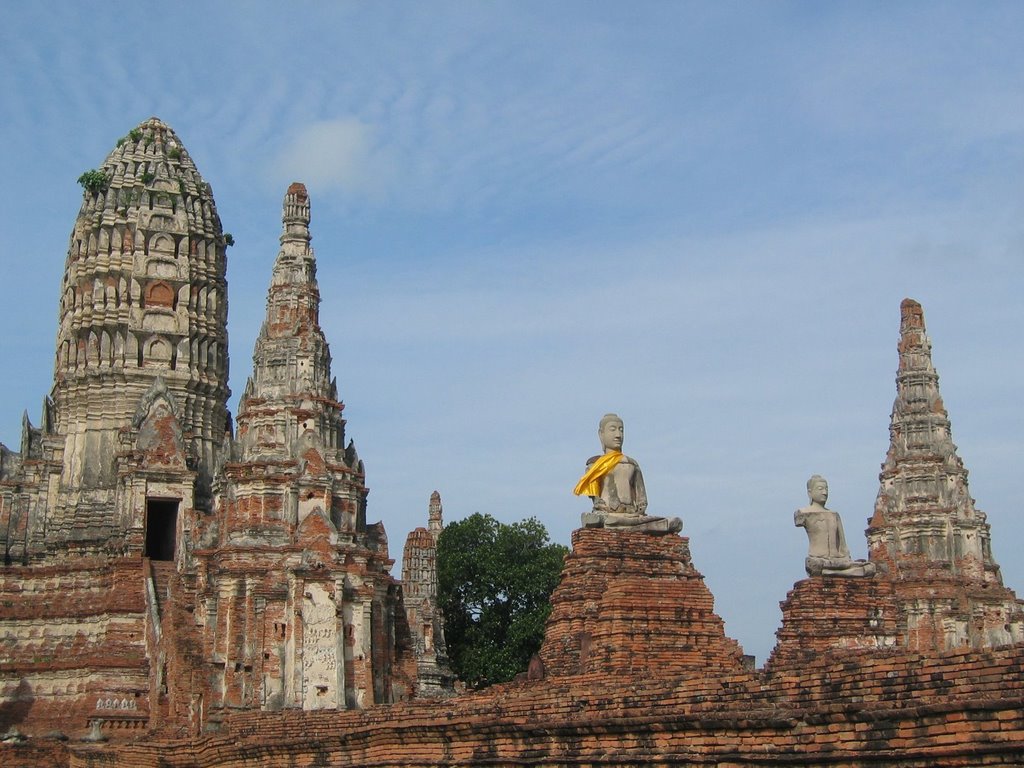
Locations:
(925, 529)
(156, 571)
(290, 410)
(288, 556)
(143, 309)
(937, 587)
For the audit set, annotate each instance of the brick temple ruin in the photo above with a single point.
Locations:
(161, 569)
(178, 592)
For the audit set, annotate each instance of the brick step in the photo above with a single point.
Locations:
(161, 572)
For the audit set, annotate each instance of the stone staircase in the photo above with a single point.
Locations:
(161, 572)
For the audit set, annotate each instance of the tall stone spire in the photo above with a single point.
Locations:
(925, 519)
(144, 296)
(291, 392)
(925, 528)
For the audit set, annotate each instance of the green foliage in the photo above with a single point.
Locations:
(135, 134)
(229, 240)
(174, 153)
(94, 181)
(148, 177)
(494, 588)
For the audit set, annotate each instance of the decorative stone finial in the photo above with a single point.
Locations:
(435, 515)
(296, 215)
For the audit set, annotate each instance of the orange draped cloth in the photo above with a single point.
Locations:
(590, 483)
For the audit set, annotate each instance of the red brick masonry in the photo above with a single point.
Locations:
(632, 700)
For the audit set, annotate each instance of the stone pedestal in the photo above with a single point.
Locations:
(823, 614)
(633, 605)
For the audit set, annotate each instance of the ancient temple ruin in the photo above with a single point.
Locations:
(161, 569)
(176, 591)
(926, 529)
(938, 587)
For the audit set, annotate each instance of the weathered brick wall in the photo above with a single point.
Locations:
(852, 709)
(73, 645)
(630, 699)
(47, 753)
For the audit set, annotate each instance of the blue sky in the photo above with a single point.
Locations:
(702, 216)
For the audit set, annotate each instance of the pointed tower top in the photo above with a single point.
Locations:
(915, 348)
(911, 313)
(296, 217)
(292, 361)
(435, 515)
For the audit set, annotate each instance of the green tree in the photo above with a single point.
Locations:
(494, 588)
(94, 181)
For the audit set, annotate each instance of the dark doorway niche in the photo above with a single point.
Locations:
(161, 528)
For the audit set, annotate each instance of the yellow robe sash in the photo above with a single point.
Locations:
(590, 483)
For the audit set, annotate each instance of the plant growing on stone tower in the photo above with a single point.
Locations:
(494, 588)
(94, 181)
(229, 239)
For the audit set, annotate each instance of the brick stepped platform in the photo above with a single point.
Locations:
(633, 604)
(824, 614)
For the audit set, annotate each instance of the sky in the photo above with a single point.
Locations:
(700, 216)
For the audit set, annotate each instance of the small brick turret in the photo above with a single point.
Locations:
(426, 623)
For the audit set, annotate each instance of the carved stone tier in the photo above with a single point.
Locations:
(825, 614)
(631, 604)
(948, 613)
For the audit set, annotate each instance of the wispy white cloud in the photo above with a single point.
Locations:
(334, 155)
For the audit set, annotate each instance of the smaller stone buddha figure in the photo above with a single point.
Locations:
(827, 553)
(615, 484)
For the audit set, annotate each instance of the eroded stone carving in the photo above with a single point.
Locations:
(616, 485)
(827, 553)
